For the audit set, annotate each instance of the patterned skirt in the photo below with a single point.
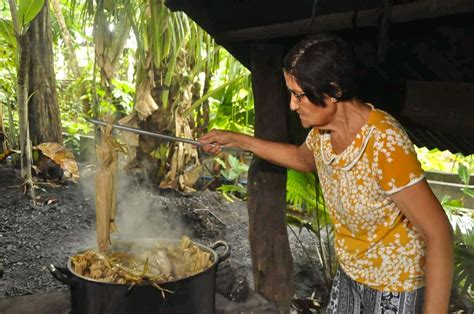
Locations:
(348, 297)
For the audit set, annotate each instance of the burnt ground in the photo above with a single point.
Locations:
(32, 237)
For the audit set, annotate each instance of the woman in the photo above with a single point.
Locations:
(392, 237)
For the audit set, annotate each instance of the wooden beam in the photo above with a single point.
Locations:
(440, 106)
(402, 13)
(271, 256)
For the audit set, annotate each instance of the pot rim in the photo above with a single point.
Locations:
(151, 240)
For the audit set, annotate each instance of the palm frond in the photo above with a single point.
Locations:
(464, 270)
(300, 189)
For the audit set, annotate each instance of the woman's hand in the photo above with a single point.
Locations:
(214, 140)
(291, 156)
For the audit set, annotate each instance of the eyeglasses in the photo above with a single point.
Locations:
(297, 96)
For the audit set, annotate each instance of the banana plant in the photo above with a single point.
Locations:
(176, 66)
(183, 80)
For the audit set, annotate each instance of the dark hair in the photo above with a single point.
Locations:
(323, 64)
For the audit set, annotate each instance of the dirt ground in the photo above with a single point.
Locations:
(64, 223)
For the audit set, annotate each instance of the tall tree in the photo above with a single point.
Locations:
(43, 108)
(21, 17)
(69, 51)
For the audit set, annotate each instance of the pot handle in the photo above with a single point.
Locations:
(62, 274)
(221, 257)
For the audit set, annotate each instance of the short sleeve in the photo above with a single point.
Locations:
(395, 163)
(311, 140)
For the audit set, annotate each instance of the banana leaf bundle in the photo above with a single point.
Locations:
(106, 186)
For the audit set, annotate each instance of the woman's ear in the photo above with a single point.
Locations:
(338, 92)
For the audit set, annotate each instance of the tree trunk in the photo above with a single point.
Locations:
(271, 256)
(44, 118)
(68, 42)
(2, 131)
(12, 137)
(22, 98)
(22, 92)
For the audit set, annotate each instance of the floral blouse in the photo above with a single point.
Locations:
(375, 243)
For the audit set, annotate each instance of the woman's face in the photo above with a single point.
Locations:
(310, 114)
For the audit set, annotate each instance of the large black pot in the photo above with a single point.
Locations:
(195, 294)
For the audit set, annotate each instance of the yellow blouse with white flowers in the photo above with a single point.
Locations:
(375, 243)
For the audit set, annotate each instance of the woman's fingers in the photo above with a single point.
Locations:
(214, 137)
(209, 138)
(214, 140)
(213, 148)
(216, 148)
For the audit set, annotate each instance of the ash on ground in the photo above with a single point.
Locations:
(63, 223)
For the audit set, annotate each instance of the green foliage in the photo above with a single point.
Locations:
(75, 129)
(215, 93)
(464, 265)
(463, 225)
(300, 189)
(308, 211)
(461, 219)
(231, 102)
(183, 56)
(444, 161)
(71, 104)
(7, 33)
(27, 10)
(8, 82)
(7, 65)
(448, 202)
(468, 191)
(231, 191)
(160, 153)
(119, 103)
(122, 96)
(464, 174)
(232, 170)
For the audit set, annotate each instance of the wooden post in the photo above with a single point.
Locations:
(271, 257)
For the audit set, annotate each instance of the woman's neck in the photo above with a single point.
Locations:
(349, 118)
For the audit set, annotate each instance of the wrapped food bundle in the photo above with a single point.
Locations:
(106, 177)
(159, 264)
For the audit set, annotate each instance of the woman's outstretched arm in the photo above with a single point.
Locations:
(296, 157)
